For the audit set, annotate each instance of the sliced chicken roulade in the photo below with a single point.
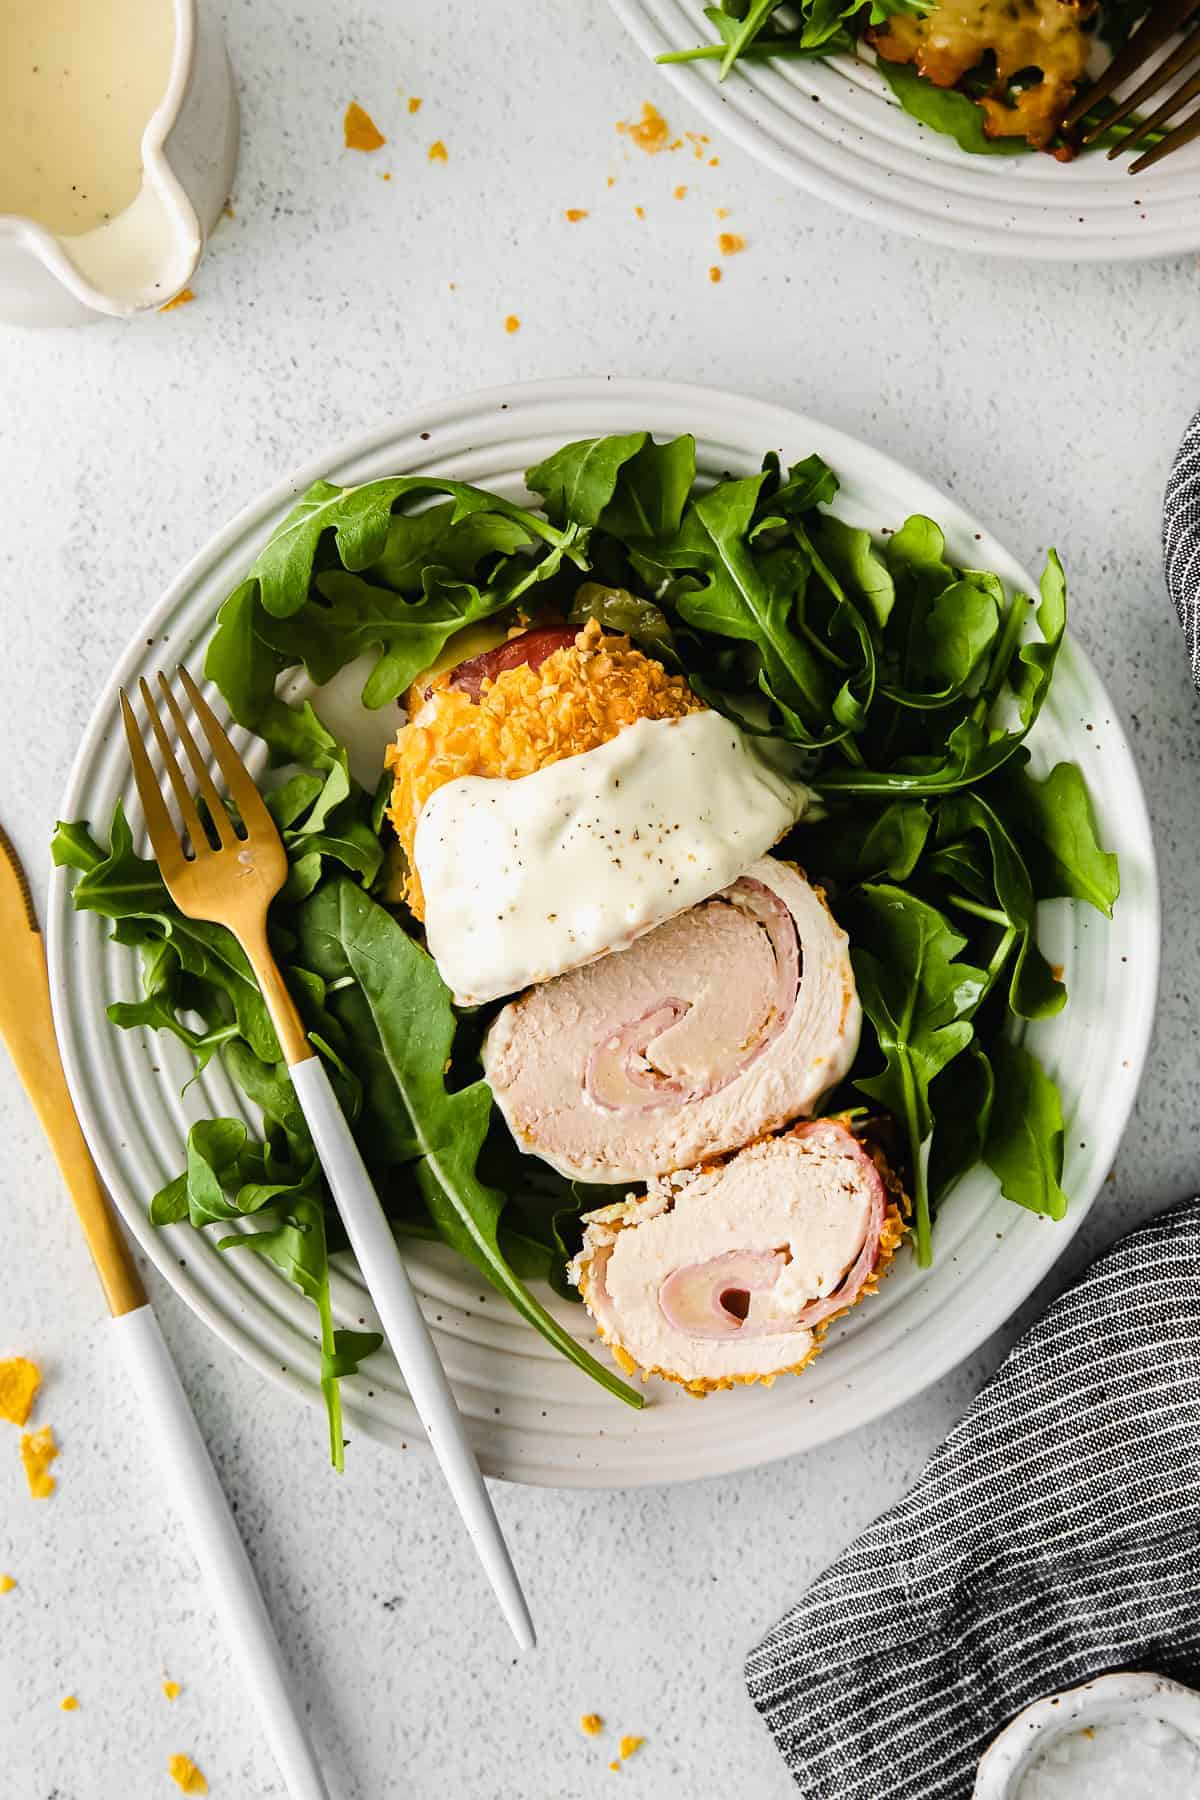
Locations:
(722, 1024)
(731, 1273)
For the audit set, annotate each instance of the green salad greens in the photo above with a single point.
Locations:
(746, 31)
(908, 684)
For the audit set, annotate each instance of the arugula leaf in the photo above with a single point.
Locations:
(411, 1008)
(652, 489)
(579, 481)
(360, 519)
(1023, 1144)
(1056, 826)
(864, 845)
(947, 111)
(1034, 991)
(918, 997)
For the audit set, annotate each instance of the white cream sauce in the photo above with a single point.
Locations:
(79, 82)
(524, 879)
(1138, 1758)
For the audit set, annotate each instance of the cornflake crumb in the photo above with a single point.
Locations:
(629, 1746)
(7, 1584)
(414, 103)
(697, 140)
(615, 1767)
(650, 132)
(591, 1724)
(171, 1690)
(722, 212)
(575, 213)
(19, 1382)
(360, 130)
(714, 162)
(680, 192)
(612, 181)
(38, 1451)
(437, 151)
(512, 323)
(184, 297)
(730, 242)
(69, 1703)
(186, 1775)
(640, 211)
(714, 274)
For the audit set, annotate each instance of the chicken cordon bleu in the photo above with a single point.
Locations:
(726, 1022)
(731, 1272)
(554, 808)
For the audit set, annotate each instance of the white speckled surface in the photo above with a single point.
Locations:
(324, 305)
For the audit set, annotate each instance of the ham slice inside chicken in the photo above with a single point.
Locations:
(719, 1025)
(728, 1272)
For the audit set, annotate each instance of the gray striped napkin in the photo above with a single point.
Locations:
(1055, 1534)
(1181, 540)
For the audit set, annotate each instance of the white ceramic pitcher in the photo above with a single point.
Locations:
(140, 258)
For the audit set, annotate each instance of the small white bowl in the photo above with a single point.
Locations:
(1104, 1701)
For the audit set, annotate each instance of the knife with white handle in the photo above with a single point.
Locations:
(27, 1027)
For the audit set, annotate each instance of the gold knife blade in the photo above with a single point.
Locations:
(27, 1027)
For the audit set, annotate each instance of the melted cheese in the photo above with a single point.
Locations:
(525, 879)
(1021, 34)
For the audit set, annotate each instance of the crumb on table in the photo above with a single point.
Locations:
(184, 297)
(512, 323)
(438, 151)
(19, 1382)
(414, 103)
(650, 132)
(730, 242)
(171, 1689)
(7, 1584)
(629, 1746)
(575, 213)
(360, 130)
(591, 1724)
(186, 1775)
(69, 1703)
(38, 1451)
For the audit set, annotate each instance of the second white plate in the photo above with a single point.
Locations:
(532, 1417)
(835, 129)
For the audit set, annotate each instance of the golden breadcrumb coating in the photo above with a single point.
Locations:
(579, 698)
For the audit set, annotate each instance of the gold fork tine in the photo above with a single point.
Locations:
(164, 839)
(1186, 53)
(242, 790)
(188, 811)
(1174, 140)
(208, 787)
(1161, 23)
(1170, 106)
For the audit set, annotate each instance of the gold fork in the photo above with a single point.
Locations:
(1153, 34)
(233, 884)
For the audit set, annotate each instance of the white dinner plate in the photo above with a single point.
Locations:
(836, 129)
(533, 1417)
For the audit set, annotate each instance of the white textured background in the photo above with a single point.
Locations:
(1048, 399)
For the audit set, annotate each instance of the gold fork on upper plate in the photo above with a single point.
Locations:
(1156, 30)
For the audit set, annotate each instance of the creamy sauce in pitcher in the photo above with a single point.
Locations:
(79, 82)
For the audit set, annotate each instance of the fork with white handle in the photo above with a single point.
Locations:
(233, 884)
